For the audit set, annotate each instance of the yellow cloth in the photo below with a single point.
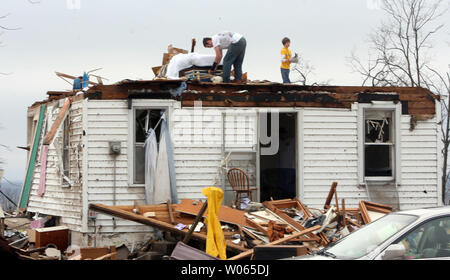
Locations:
(215, 239)
(286, 54)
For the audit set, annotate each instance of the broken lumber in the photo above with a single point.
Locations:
(110, 256)
(257, 226)
(330, 195)
(48, 139)
(277, 242)
(172, 221)
(226, 214)
(164, 226)
(62, 75)
(194, 225)
(364, 213)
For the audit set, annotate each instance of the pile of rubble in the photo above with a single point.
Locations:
(269, 230)
(259, 231)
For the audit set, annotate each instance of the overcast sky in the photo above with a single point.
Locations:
(127, 38)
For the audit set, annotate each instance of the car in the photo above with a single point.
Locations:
(410, 234)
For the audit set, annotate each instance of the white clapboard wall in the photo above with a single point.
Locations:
(328, 152)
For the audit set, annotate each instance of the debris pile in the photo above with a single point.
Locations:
(180, 64)
(273, 229)
(287, 221)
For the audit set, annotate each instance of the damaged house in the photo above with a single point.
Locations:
(381, 144)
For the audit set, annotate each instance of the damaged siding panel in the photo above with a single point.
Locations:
(107, 120)
(419, 164)
(61, 201)
(330, 154)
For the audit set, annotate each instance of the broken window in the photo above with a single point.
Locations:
(66, 147)
(144, 119)
(378, 143)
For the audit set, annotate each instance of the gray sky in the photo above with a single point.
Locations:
(127, 38)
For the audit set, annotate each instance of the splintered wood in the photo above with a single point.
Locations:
(285, 221)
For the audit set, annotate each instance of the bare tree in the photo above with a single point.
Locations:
(302, 71)
(442, 86)
(400, 54)
(5, 28)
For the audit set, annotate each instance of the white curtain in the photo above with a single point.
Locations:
(151, 154)
(162, 180)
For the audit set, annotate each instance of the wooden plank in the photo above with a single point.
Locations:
(169, 207)
(276, 242)
(226, 214)
(93, 253)
(305, 209)
(295, 224)
(330, 195)
(337, 200)
(194, 225)
(257, 226)
(48, 139)
(377, 209)
(377, 205)
(364, 214)
(24, 196)
(71, 77)
(165, 226)
(344, 220)
(248, 233)
(110, 256)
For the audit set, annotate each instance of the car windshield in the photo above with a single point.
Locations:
(369, 237)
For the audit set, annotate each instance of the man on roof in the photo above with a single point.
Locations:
(236, 44)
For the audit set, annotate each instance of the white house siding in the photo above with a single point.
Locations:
(64, 202)
(420, 164)
(197, 136)
(107, 120)
(330, 153)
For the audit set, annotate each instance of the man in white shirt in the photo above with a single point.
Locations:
(236, 44)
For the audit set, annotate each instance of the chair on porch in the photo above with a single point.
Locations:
(240, 183)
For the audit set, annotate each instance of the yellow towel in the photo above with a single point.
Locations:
(215, 239)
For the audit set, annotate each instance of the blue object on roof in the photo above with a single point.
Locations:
(85, 83)
(77, 84)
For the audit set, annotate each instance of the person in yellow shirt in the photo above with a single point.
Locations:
(286, 60)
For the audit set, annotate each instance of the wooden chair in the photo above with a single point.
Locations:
(240, 184)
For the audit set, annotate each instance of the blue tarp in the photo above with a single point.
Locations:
(85, 83)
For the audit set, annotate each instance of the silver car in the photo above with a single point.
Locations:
(412, 234)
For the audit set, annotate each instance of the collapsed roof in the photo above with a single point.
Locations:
(415, 101)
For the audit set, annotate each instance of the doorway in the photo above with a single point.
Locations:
(278, 172)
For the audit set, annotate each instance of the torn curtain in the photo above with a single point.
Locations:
(165, 187)
(151, 155)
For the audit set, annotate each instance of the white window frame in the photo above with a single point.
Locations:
(396, 141)
(140, 104)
